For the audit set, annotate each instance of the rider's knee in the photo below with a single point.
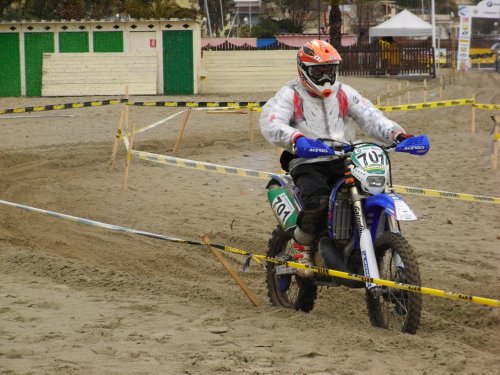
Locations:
(313, 216)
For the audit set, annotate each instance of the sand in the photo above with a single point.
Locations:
(76, 299)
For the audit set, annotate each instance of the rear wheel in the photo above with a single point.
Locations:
(394, 308)
(285, 288)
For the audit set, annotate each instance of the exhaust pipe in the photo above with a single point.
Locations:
(333, 260)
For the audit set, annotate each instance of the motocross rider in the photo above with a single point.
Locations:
(315, 106)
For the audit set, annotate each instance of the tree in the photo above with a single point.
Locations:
(299, 12)
(217, 20)
(266, 28)
(335, 22)
(72, 10)
(158, 9)
(367, 12)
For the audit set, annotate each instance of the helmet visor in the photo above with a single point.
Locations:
(322, 73)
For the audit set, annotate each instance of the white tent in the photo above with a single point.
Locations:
(405, 23)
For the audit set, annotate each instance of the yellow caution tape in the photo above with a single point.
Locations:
(257, 257)
(185, 163)
(388, 283)
(164, 159)
(487, 106)
(439, 104)
(257, 106)
(198, 104)
(445, 194)
(54, 107)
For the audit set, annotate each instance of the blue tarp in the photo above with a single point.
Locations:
(265, 42)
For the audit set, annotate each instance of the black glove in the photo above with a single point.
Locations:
(403, 136)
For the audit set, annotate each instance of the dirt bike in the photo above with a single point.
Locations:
(362, 235)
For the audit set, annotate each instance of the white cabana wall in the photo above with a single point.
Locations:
(403, 24)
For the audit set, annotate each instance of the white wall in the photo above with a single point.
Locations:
(77, 74)
(246, 71)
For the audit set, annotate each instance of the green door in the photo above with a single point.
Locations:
(108, 41)
(178, 62)
(35, 45)
(73, 42)
(10, 65)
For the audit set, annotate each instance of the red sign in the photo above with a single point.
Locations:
(152, 43)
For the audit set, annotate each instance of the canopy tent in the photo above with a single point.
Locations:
(405, 23)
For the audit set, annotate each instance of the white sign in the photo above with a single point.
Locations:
(464, 34)
(485, 9)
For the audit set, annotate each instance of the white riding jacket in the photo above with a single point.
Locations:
(294, 110)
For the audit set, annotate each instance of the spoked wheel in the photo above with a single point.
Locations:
(285, 288)
(395, 309)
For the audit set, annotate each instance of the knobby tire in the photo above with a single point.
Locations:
(301, 292)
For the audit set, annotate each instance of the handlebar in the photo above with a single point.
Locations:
(417, 145)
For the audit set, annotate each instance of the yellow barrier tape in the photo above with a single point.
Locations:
(55, 107)
(198, 104)
(387, 283)
(487, 106)
(439, 104)
(323, 271)
(185, 163)
(445, 194)
(164, 159)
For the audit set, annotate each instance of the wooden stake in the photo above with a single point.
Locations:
(473, 115)
(181, 132)
(496, 141)
(425, 91)
(250, 119)
(441, 88)
(408, 92)
(117, 140)
(378, 100)
(129, 154)
(119, 131)
(399, 96)
(251, 295)
(388, 94)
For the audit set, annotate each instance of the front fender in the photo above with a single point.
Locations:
(392, 204)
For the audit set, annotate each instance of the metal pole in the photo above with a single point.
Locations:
(208, 20)
(433, 18)
(250, 17)
(221, 17)
(319, 22)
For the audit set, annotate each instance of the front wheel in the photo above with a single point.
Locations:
(285, 288)
(394, 308)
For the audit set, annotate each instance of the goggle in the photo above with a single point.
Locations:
(323, 72)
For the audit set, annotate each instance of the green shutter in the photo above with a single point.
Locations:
(73, 42)
(108, 41)
(10, 65)
(178, 62)
(35, 45)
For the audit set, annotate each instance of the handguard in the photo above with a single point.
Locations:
(311, 148)
(417, 145)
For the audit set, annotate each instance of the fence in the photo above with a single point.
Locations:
(389, 60)
(361, 60)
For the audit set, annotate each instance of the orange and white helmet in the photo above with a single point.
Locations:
(318, 66)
